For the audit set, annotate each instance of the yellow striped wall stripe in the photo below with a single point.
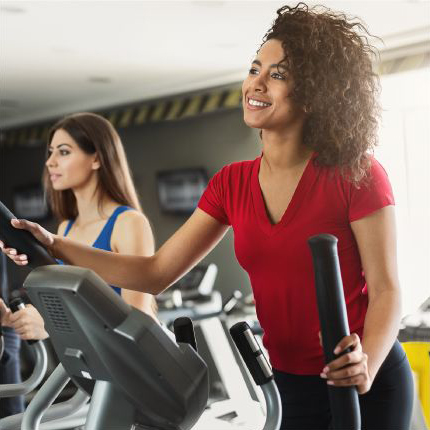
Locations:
(212, 102)
(157, 113)
(141, 115)
(176, 107)
(193, 107)
(126, 117)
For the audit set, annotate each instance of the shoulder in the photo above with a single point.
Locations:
(375, 173)
(131, 229)
(235, 171)
(376, 169)
(62, 227)
(239, 166)
(131, 219)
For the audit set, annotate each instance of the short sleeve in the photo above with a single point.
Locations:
(375, 194)
(212, 200)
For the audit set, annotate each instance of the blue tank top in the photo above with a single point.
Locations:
(103, 240)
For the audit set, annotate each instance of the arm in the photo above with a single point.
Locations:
(132, 235)
(191, 243)
(376, 239)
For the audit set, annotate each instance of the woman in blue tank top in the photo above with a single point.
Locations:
(89, 186)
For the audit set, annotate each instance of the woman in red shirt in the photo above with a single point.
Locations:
(312, 93)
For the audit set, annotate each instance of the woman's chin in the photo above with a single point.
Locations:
(58, 187)
(253, 123)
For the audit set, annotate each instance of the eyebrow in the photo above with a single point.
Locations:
(60, 145)
(258, 62)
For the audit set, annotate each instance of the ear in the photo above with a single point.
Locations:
(96, 163)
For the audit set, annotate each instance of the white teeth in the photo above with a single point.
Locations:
(258, 103)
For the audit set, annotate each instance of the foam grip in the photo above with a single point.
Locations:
(334, 325)
(15, 305)
(184, 331)
(251, 353)
(23, 241)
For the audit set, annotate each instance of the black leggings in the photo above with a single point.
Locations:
(387, 406)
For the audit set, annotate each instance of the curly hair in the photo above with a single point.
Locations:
(331, 67)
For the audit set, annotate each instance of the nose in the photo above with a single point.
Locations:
(258, 84)
(51, 161)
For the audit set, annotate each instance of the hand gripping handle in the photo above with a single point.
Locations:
(23, 241)
(15, 305)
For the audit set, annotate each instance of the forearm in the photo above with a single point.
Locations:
(125, 271)
(381, 328)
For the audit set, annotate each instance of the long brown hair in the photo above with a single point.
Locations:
(94, 134)
(330, 60)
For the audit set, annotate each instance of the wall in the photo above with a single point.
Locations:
(210, 141)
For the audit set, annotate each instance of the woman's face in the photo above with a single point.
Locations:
(69, 167)
(266, 92)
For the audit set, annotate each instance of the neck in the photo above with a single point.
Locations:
(284, 151)
(91, 205)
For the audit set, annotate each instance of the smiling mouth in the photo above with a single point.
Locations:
(257, 103)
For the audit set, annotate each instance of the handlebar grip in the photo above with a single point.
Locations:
(251, 353)
(23, 240)
(15, 305)
(334, 324)
(184, 331)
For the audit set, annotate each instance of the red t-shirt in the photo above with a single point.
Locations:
(278, 259)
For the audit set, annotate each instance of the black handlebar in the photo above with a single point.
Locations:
(23, 241)
(184, 331)
(251, 353)
(334, 325)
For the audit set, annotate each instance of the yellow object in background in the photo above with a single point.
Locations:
(419, 358)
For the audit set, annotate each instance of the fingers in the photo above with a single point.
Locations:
(20, 259)
(351, 341)
(42, 235)
(17, 223)
(352, 364)
(29, 324)
(4, 314)
(23, 224)
(350, 368)
(23, 326)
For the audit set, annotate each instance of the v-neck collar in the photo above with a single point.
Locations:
(308, 177)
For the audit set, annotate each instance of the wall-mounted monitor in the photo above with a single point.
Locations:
(179, 190)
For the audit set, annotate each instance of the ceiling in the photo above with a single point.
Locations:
(58, 57)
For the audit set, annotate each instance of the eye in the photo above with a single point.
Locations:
(277, 75)
(253, 71)
(64, 152)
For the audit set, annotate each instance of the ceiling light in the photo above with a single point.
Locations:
(12, 9)
(99, 79)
